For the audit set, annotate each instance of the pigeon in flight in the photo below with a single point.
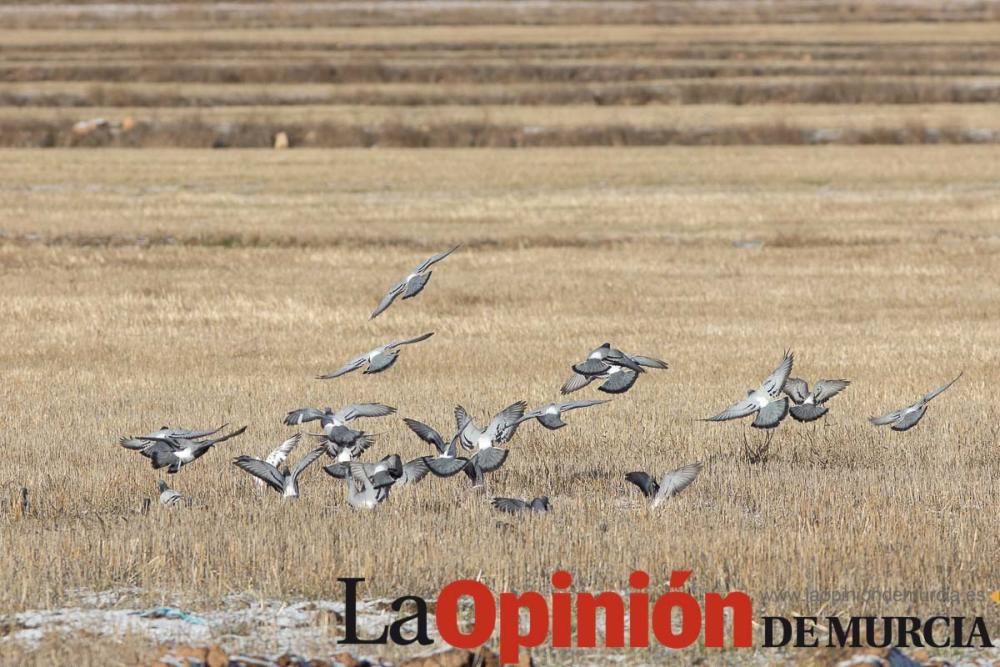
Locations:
(329, 419)
(368, 484)
(762, 401)
(447, 462)
(284, 481)
(169, 497)
(808, 405)
(411, 285)
(378, 360)
(344, 443)
(672, 483)
(550, 415)
(518, 506)
(906, 418)
(487, 457)
(280, 454)
(173, 453)
(618, 370)
(142, 442)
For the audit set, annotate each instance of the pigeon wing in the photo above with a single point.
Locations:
(263, 471)
(619, 382)
(434, 259)
(575, 382)
(302, 415)
(490, 459)
(387, 300)
(827, 389)
(426, 433)
(776, 380)
(676, 481)
(352, 365)
(936, 392)
(797, 389)
(278, 456)
(306, 461)
(510, 505)
(358, 410)
(735, 411)
(649, 362)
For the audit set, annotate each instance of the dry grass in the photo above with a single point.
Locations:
(220, 284)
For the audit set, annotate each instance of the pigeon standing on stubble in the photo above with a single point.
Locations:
(809, 405)
(411, 285)
(618, 370)
(378, 360)
(908, 417)
(169, 497)
(283, 480)
(762, 401)
(672, 483)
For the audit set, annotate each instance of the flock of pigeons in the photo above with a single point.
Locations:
(368, 483)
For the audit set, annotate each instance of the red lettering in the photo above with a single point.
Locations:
(484, 614)
(562, 614)
(511, 639)
(715, 619)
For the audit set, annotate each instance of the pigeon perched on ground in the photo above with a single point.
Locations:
(762, 401)
(378, 360)
(672, 483)
(908, 417)
(282, 480)
(168, 496)
(618, 370)
(328, 418)
(411, 285)
(808, 405)
(518, 506)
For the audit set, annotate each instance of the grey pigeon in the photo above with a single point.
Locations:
(142, 442)
(618, 370)
(809, 405)
(550, 415)
(344, 443)
(168, 496)
(175, 452)
(501, 428)
(762, 401)
(378, 360)
(368, 484)
(672, 483)
(283, 480)
(328, 418)
(447, 462)
(279, 454)
(908, 417)
(518, 506)
(411, 285)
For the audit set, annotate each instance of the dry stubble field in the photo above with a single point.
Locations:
(194, 288)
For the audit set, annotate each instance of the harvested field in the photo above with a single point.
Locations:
(212, 287)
